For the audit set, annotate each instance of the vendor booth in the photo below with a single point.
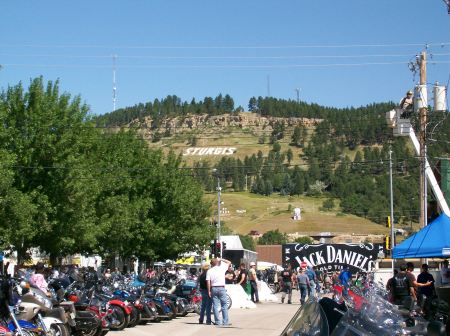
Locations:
(433, 241)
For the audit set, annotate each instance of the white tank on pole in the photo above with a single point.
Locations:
(420, 97)
(440, 97)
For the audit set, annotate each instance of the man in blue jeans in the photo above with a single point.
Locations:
(303, 284)
(215, 280)
(312, 282)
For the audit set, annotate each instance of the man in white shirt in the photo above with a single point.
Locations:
(445, 273)
(215, 281)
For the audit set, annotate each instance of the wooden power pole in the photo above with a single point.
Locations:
(422, 141)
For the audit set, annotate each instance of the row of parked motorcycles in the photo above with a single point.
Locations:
(366, 311)
(91, 307)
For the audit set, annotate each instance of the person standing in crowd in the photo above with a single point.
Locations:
(327, 282)
(215, 280)
(426, 293)
(241, 278)
(230, 275)
(423, 278)
(150, 273)
(287, 278)
(116, 273)
(107, 274)
(253, 282)
(206, 299)
(403, 289)
(445, 273)
(390, 288)
(412, 279)
(319, 277)
(335, 278)
(344, 278)
(303, 284)
(312, 282)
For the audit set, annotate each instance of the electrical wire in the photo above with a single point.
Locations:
(325, 46)
(209, 57)
(229, 66)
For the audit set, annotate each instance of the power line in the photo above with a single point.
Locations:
(293, 46)
(217, 66)
(210, 57)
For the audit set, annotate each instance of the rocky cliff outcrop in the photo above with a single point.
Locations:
(242, 121)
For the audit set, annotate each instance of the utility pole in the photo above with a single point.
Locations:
(219, 189)
(392, 208)
(422, 139)
(268, 86)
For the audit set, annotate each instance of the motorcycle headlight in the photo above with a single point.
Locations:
(137, 302)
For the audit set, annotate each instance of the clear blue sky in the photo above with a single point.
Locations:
(203, 48)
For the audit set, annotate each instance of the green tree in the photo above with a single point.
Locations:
(296, 136)
(289, 155)
(248, 242)
(49, 134)
(273, 237)
(304, 240)
(328, 204)
(276, 147)
(228, 104)
(252, 105)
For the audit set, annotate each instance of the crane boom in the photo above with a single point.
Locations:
(430, 176)
(402, 127)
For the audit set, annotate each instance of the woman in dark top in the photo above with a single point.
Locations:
(206, 300)
(241, 278)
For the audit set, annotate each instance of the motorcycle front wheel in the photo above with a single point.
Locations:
(135, 318)
(118, 318)
(58, 329)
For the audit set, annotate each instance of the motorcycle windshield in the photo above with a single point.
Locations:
(309, 320)
(376, 317)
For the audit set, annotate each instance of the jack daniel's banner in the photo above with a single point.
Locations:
(333, 257)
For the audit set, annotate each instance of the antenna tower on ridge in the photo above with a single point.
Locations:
(114, 98)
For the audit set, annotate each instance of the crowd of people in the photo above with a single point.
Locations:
(212, 280)
(408, 291)
(309, 281)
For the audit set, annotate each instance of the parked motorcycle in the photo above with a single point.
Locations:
(35, 306)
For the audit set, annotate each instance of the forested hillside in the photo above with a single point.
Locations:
(345, 156)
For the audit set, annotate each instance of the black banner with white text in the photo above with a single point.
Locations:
(333, 257)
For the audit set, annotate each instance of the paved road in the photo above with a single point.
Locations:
(267, 319)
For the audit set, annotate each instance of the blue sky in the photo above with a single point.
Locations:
(203, 48)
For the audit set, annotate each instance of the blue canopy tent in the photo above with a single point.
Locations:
(432, 241)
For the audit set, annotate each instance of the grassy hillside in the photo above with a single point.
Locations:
(223, 131)
(270, 213)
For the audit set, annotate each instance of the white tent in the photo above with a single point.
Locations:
(262, 265)
(233, 242)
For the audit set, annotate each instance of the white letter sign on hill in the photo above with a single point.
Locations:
(209, 151)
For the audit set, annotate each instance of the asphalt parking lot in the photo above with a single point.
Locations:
(267, 318)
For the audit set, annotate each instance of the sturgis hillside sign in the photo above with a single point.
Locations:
(209, 151)
(333, 257)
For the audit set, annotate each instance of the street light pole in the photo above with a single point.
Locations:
(219, 189)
